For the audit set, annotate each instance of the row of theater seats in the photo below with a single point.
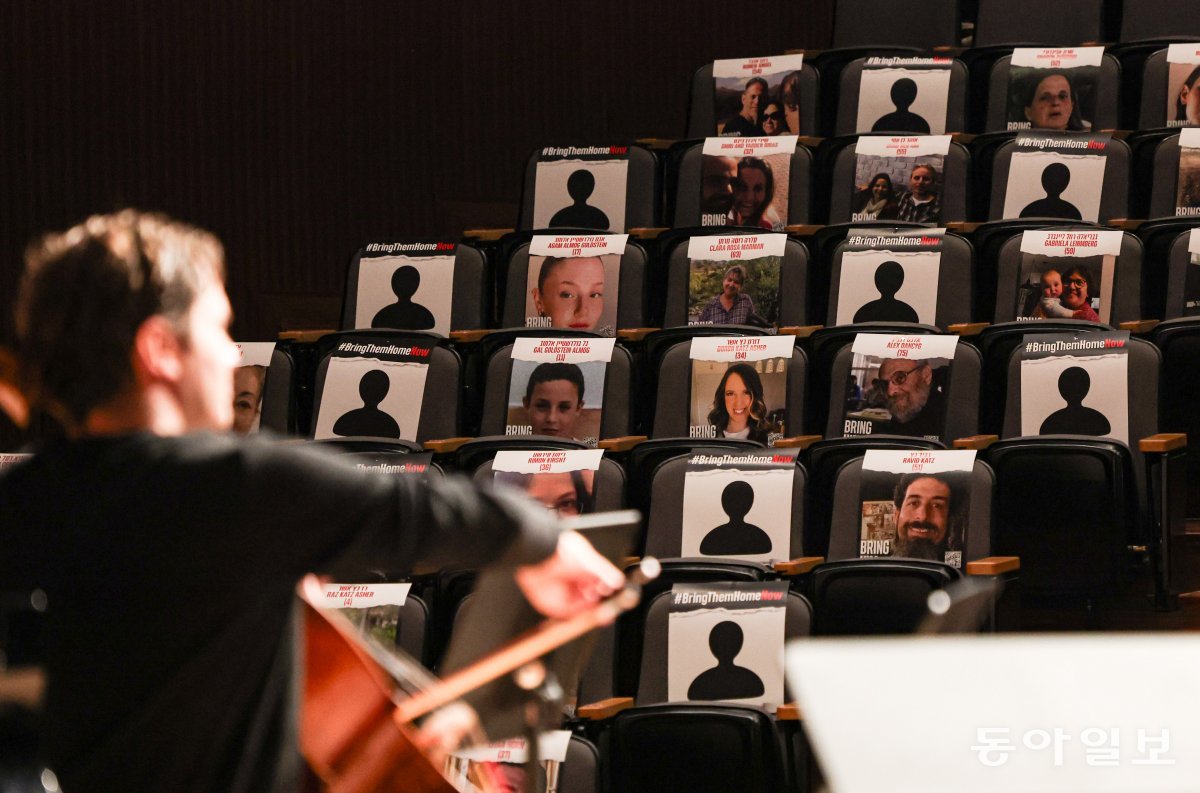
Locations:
(639, 695)
(1131, 88)
(990, 178)
(976, 277)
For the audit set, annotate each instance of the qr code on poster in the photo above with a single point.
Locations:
(954, 559)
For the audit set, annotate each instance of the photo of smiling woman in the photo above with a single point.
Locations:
(753, 193)
(566, 493)
(739, 410)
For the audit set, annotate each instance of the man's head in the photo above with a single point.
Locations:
(127, 308)
(752, 97)
(717, 177)
(921, 181)
(907, 384)
(925, 507)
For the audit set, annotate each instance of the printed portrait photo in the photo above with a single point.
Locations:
(759, 101)
(577, 292)
(740, 292)
(1064, 287)
(898, 188)
(746, 399)
(897, 396)
(1061, 100)
(556, 398)
(745, 191)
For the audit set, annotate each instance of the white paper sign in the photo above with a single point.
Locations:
(572, 245)
(902, 145)
(750, 147)
(558, 462)
(406, 292)
(564, 350)
(731, 247)
(885, 345)
(255, 353)
(741, 348)
(1057, 58)
(363, 596)
(753, 67)
(1072, 243)
(885, 285)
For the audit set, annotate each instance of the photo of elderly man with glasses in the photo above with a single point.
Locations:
(902, 396)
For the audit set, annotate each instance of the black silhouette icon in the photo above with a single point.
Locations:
(404, 313)
(1055, 179)
(889, 277)
(737, 536)
(726, 680)
(369, 419)
(580, 185)
(1073, 385)
(904, 93)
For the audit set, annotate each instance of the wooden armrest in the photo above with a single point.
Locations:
(646, 233)
(994, 565)
(962, 227)
(486, 235)
(799, 566)
(803, 230)
(800, 331)
(12, 399)
(604, 709)
(788, 712)
(976, 442)
(1163, 442)
(468, 336)
(634, 334)
(965, 138)
(1139, 325)
(797, 442)
(445, 445)
(303, 335)
(621, 444)
(1126, 224)
(24, 685)
(812, 142)
(967, 328)
(657, 144)
(630, 561)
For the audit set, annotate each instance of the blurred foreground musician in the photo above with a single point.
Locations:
(170, 551)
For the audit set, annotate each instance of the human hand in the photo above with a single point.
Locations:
(445, 730)
(574, 577)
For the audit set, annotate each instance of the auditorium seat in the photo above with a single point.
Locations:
(1106, 94)
(358, 393)
(678, 415)
(276, 388)
(616, 410)
(921, 24)
(957, 390)
(953, 182)
(1114, 193)
(852, 93)
(953, 285)
(823, 460)
(699, 743)
(854, 594)
(1028, 22)
(641, 194)
(1151, 20)
(791, 301)
(444, 289)
(685, 194)
(1104, 495)
(629, 287)
(702, 115)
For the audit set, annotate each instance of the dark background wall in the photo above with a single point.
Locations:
(297, 133)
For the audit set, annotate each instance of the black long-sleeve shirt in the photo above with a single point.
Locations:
(170, 566)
